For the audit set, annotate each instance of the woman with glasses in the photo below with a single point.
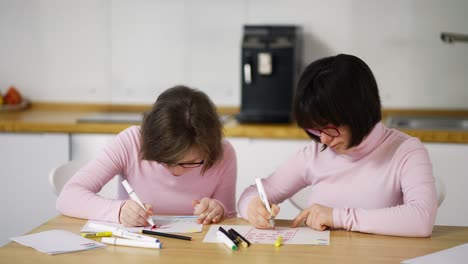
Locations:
(364, 176)
(177, 162)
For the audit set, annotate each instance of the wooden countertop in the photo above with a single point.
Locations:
(62, 118)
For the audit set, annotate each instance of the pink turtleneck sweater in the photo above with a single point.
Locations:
(384, 186)
(153, 183)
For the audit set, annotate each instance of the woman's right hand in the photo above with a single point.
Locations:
(258, 215)
(131, 214)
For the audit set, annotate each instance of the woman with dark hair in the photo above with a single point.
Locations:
(364, 176)
(177, 162)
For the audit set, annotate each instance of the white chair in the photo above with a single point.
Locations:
(440, 190)
(300, 199)
(59, 175)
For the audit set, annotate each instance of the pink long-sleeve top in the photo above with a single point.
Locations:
(384, 186)
(152, 182)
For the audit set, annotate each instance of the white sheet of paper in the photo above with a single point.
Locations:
(165, 224)
(299, 235)
(57, 242)
(455, 255)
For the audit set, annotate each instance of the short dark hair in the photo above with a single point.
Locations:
(182, 118)
(340, 90)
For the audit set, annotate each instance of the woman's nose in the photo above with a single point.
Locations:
(325, 139)
(177, 170)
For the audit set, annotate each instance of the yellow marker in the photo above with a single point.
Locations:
(97, 234)
(278, 241)
(242, 243)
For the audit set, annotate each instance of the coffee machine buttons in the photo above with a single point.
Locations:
(264, 63)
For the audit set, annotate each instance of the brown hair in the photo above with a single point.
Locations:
(182, 118)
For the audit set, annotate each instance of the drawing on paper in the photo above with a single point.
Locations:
(257, 235)
(298, 235)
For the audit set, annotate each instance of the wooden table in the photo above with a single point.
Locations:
(345, 247)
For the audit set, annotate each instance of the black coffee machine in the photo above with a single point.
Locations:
(271, 59)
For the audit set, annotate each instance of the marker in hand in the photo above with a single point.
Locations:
(135, 198)
(262, 194)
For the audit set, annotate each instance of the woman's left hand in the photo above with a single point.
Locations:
(318, 217)
(208, 211)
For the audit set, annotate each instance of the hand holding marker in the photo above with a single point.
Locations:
(262, 194)
(135, 198)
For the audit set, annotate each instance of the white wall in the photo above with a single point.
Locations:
(129, 51)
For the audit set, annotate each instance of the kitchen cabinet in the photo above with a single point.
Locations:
(450, 163)
(27, 199)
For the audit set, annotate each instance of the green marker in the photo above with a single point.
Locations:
(226, 240)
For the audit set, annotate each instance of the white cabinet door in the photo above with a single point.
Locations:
(27, 199)
(450, 163)
(87, 147)
(259, 158)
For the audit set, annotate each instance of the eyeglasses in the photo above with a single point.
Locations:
(329, 131)
(188, 165)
